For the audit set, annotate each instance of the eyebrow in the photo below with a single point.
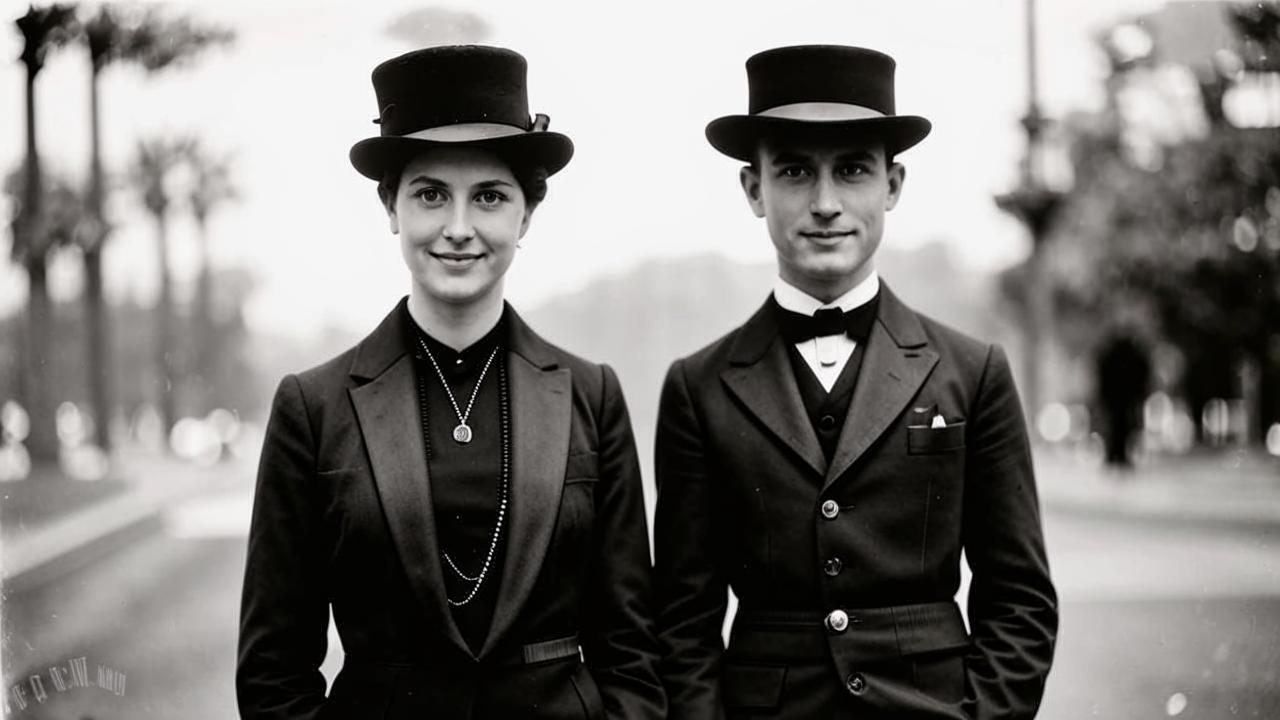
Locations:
(483, 185)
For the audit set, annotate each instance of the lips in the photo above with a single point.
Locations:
(456, 259)
(826, 234)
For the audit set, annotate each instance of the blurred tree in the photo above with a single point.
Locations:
(128, 34)
(42, 29)
(1183, 235)
(210, 187)
(155, 160)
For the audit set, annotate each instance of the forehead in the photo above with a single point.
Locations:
(457, 165)
(818, 148)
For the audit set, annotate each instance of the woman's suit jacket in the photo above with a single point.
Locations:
(343, 516)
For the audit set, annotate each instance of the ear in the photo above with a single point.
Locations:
(389, 204)
(897, 175)
(524, 222)
(750, 179)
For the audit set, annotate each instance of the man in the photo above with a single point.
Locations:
(831, 458)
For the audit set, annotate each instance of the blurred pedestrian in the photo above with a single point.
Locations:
(1124, 376)
(830, 459)
(464, 495)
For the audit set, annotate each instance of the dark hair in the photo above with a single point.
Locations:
(532, 181)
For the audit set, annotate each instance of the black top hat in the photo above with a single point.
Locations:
(457, 95)
(847, 90)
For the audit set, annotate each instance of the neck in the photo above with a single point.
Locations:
(458, 326)
(822, 289)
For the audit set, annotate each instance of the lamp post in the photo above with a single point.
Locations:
(1034, 203)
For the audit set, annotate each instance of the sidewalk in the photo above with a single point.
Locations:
(48, 546)
(1229, 486)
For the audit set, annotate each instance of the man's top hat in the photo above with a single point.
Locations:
(809, 89)
(457, 95)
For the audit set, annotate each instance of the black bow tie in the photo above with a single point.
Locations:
(856, 323)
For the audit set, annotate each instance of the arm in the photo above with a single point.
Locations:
(618, 642)
(692, 592)
(284, 611)
(1013, 616)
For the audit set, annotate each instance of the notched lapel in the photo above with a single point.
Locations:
(768, 388)
(387, 409)
(890, 376)
(541, 404)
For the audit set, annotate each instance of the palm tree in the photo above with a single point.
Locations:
(42, 30)
(210, 187)
(154, 162)
(116, 35)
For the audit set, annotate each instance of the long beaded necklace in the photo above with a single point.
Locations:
(504, 483)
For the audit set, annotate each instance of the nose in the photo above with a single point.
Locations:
(824, 204)
(459, 229)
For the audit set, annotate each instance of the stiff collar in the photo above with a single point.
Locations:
(756, 335)
(791, 298)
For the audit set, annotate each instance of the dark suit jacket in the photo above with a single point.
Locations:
(342, 516)
(742, 482)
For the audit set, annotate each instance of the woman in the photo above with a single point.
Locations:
(465, 495)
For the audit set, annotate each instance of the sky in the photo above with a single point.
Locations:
(633, 84)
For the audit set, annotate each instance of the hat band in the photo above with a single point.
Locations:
(821, 112)
(466, 132)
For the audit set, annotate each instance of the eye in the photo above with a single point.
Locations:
(793, 171)
(854, 170)
(430, 196)
(490, 198)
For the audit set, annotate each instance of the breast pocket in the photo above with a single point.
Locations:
(578, 501)
(924, 440)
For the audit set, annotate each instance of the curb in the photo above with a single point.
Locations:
(73, 541)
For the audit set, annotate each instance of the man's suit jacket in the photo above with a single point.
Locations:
(743, 502)
(343, 515)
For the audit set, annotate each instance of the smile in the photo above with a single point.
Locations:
(457, 260)
(826, 234)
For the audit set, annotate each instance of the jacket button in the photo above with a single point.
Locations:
(827, 422)
(830, 509)
(856, 684)
(837, 621)
(833, 566)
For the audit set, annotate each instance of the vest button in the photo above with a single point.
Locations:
(856, 684)
(830, 509)
(837, 621)
(827, 422)
(833, 566)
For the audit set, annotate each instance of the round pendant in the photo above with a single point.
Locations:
(462, 433)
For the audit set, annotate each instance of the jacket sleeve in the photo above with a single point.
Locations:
(618, 641)
(692, 592)
(284, 611)
(1013, 616)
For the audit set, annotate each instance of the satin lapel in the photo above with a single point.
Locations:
(387, 408)
(541, 402)
(768, 388)
(890, 376)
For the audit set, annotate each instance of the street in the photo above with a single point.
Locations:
(1160, 619)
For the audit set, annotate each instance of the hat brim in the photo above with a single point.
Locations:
(738, 136)
(551, 151)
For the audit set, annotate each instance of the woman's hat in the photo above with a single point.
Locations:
(457, 95)
(817, 88)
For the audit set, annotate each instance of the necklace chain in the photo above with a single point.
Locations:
(504, 490)
(504, 486)
(462, 417)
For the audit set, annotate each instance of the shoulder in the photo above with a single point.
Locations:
(960, 355)
(746, 340)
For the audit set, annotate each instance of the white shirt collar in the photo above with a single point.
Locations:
(796, 300)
